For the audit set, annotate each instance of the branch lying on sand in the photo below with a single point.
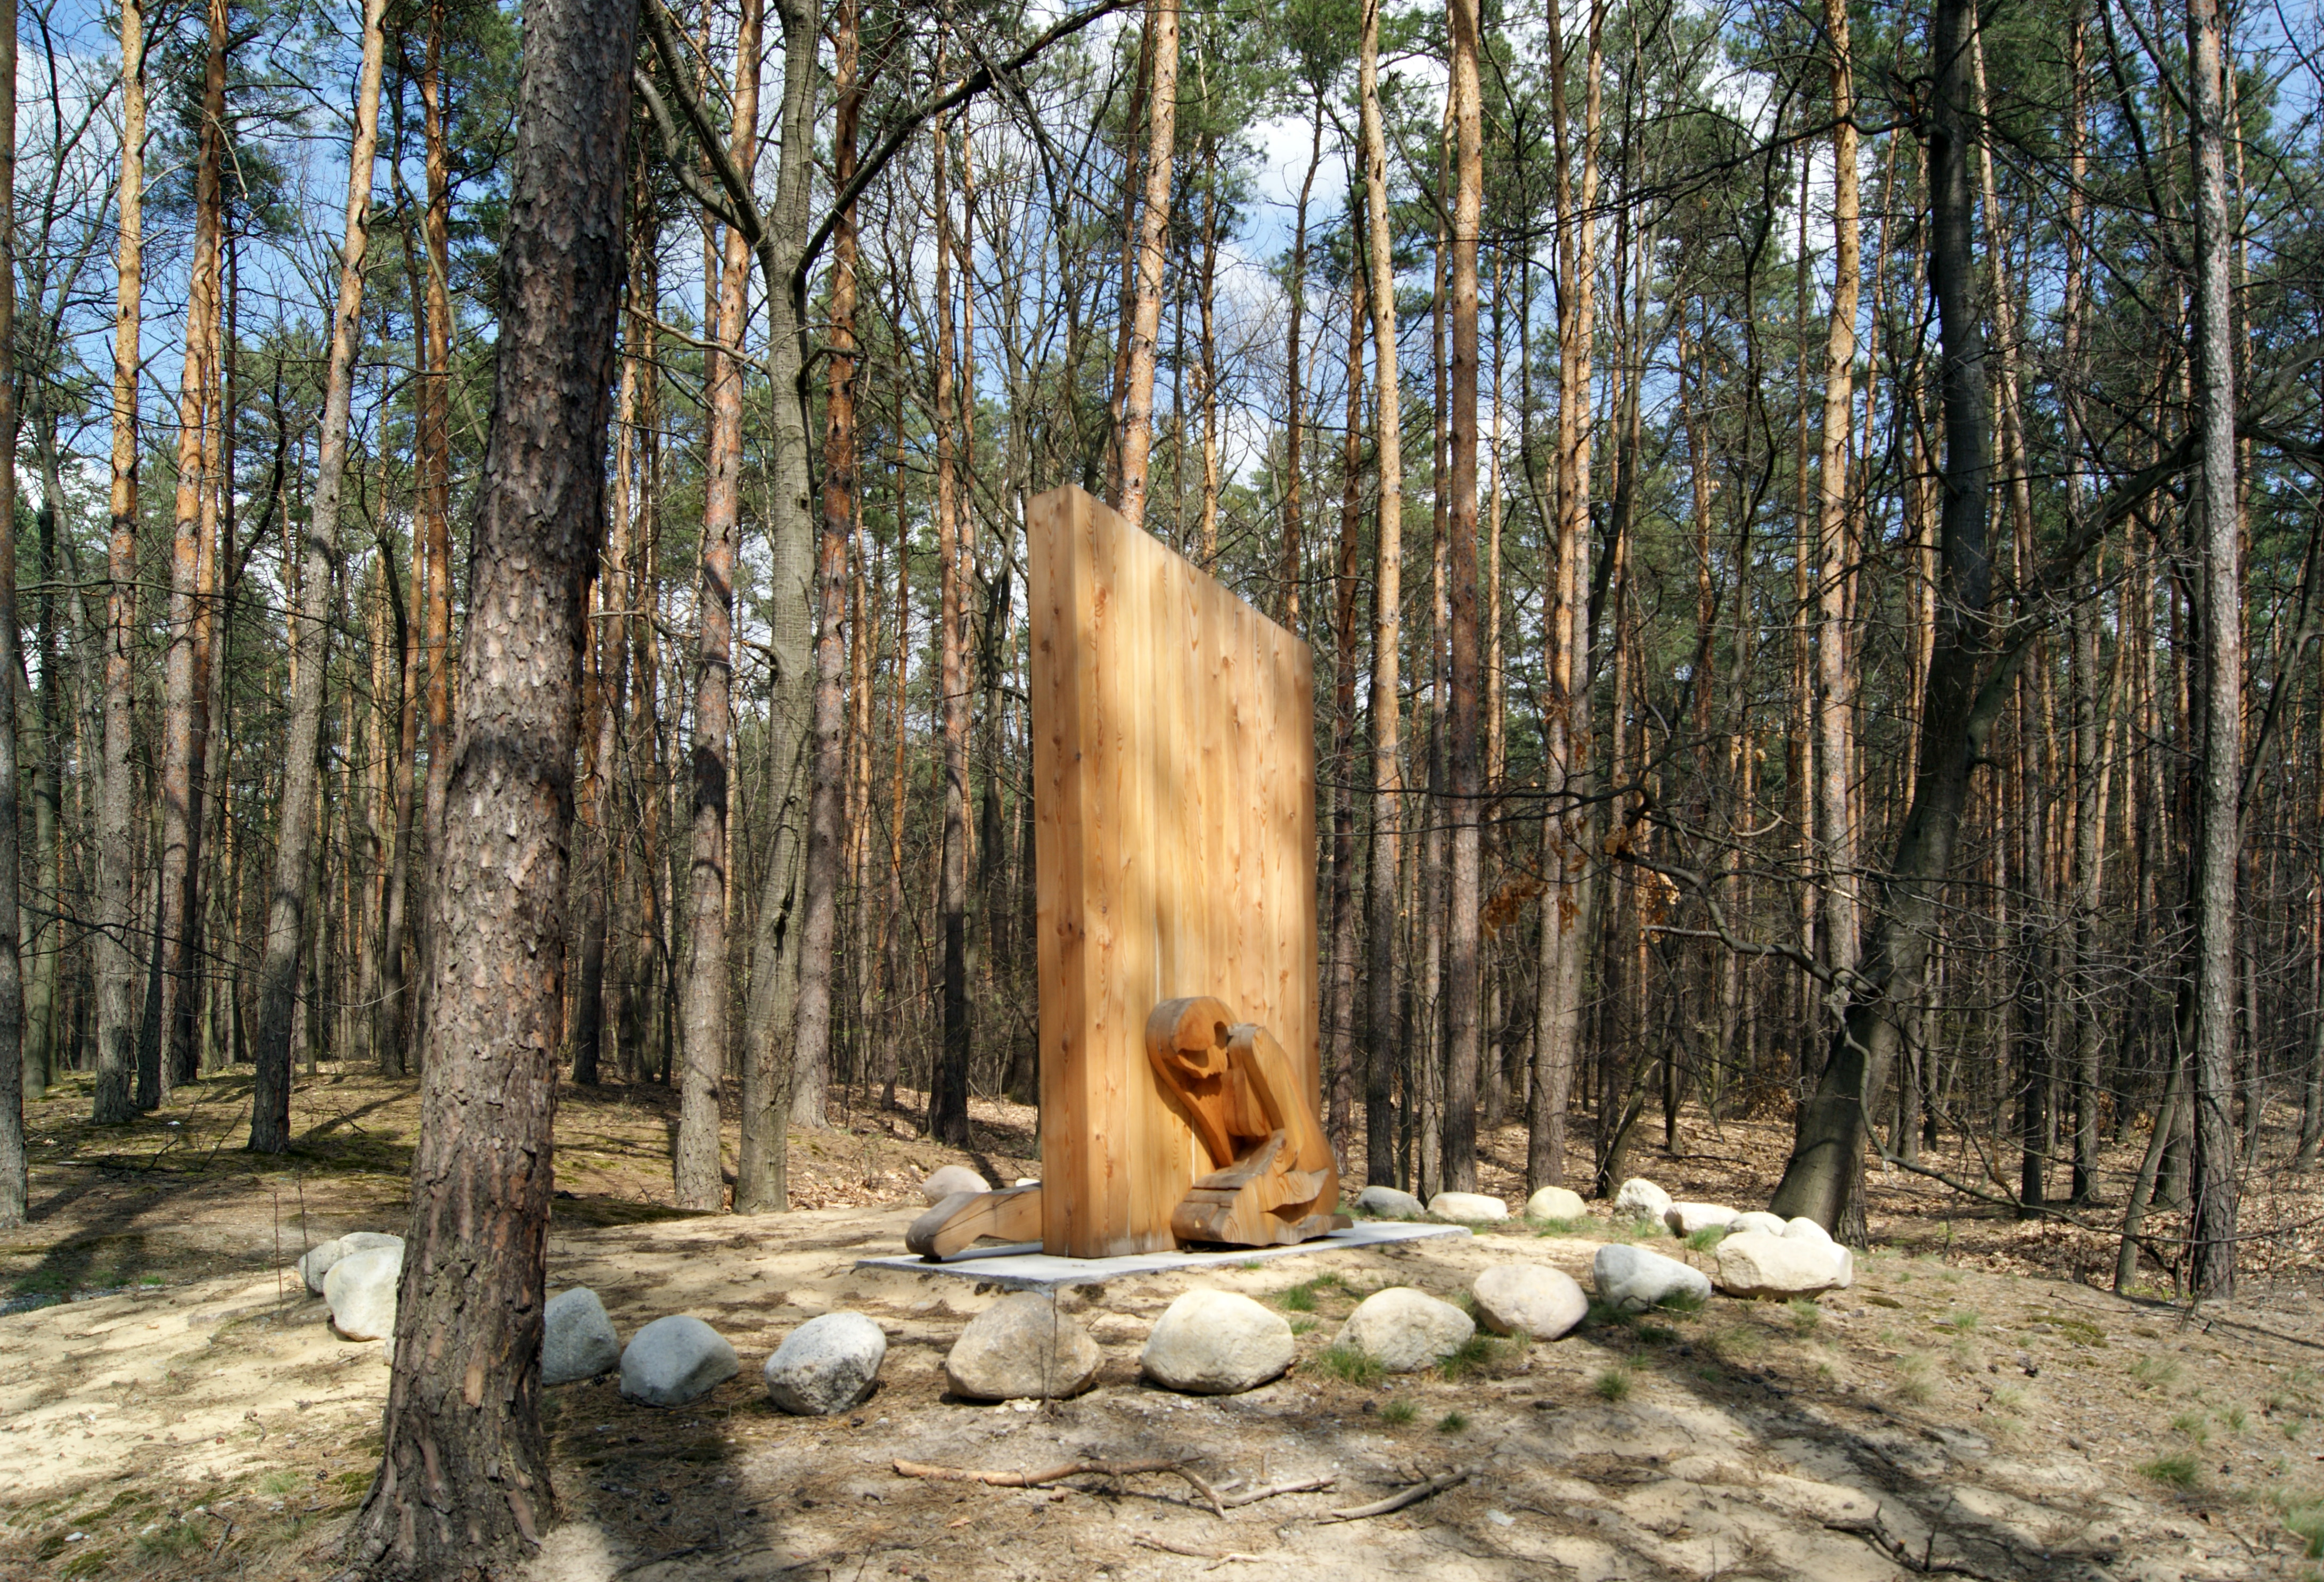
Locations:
(1400, 1500)
(1220, 1505)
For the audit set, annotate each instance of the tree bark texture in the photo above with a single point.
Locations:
(464, 1470)
(1135, 442)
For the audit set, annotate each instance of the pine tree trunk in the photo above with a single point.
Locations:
(1388, 585)
(13, 1176)
(277, 971)
(1135, 442)
(463, 1472)
(2219, 634)
(1344, 1053)
(115, 965)
(1463, 923)
(1835, 836)
(708, 987)
(948, 1116)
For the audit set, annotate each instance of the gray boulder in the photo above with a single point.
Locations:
(1405, 1331)
(1641, 1198)
(360, 1289)
(676, 1359)
(1385, 1203)
(1023, 1348)
(1754, 1264)
(952, 1178)
(826, 1364)
(1555, 1202)
(1216, 1343)
(1631, 1279)
(1468, 1206)
(1529, 1298)
(578, 1341)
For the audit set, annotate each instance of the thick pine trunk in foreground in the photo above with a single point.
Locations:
(1823, 1180)
(463, 1473)
(286, 919)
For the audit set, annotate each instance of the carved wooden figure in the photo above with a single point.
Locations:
(1174, 799)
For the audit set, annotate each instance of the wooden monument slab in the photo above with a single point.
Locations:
(1174, 796)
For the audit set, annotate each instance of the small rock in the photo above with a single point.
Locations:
(826, 1364)
(1385, 1203)
(1758, 1219)
(1686, 1219)
(1529, 1298)
(1641, 1198)
(1632, 1279)
(676, 1359)
(1754, 1264)
(1023, 1348)
(578, 1341)
(360, 1289)
(1467, 1206)
(951, 1179)
(1216, 1343)
(1405, 1331)
(1555, 1203)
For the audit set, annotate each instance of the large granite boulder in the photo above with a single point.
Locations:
(1529, 1298)
(1467, 1206)
(360, 1289)
(578, 1340)
(1754, 1264)
(1216, 1343)
(1023, 1348)
(829, 1364)
(1687, 1218)
(1405, 1331)
(1631, 1279)
(1556, 1203)
(1641, 1198)
(317, 1260)
(1385, 1203)
(950, 1179)
(676, 1359)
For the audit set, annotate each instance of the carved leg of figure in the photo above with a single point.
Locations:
(1011, 1214)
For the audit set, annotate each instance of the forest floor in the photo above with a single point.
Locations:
(173, 1404)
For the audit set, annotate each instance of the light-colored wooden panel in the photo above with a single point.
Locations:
(1175, 777)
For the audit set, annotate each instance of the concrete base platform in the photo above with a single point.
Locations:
(1024, 1267)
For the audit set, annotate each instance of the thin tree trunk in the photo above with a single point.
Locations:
(1292, 482)
(114, 963)
(14, 1183)
(2219, 632)
(707, 991)
(1835, 836)
(1135, 440)
(463, 1472)
(1343, 1051)
(827, 830)
(948, 1116)
(277, 971)
(1388, 595)
(1464, 931)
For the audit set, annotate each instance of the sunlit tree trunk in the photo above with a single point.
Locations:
(1136, 438)
(277, 971)
(705, 998)
(947, 1118)
(1835, 834)
(14, 1180)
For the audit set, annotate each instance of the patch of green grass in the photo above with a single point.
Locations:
(1913, 1380)
(2236, 1418)
(2154, 1372)
(172, 1541)
(1302, 1326)
(280, 1483)
(2191, 1426)
(91, 1561)
(1964, 1320)
(2080, 1331)
(1656, 1334)
(1350, 1366)
(2178, 1470)
(2007, 1399)
(1739, 1342)
(1452, 1422)
(1253, 1263)
(1477, 1352)
(1301, 1298)
(1805, 1315)
(1683, 1301)
(1709, 1236)
(1396, 1413)
(1558, 1226)
(2303, 1518)
(1612, 1385)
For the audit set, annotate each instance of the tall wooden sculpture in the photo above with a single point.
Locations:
(1173, 798)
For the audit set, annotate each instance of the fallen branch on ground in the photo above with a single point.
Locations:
(1215, 1557)
(1060, 1472)
(1400, 1500)
(1304, 1486)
